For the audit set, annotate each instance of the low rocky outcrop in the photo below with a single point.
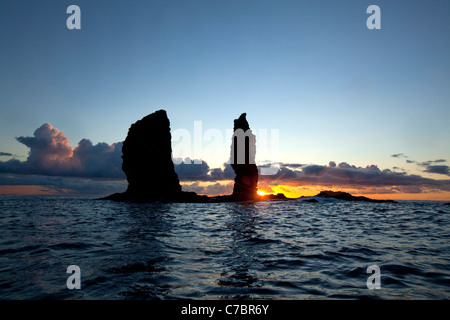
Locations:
(347, 196)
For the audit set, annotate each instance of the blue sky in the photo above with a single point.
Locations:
(336, 90)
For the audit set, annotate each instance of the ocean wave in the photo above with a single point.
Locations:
(275, 250)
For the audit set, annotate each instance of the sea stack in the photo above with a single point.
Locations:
(243, 150)
(147, 162)
(147, 158)
(148, 166)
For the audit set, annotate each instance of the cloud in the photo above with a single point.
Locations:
(430, 162)
(51, 155)
(350, 176)
(209, 190)
(188, 170)
(399, 155)
(226, 174)
(292, 165)
(431, 167)
(100, 160)
(5, 154)
(438, 169)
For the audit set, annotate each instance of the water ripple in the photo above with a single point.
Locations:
(272, 250)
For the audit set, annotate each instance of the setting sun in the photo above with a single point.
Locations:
(262, 193)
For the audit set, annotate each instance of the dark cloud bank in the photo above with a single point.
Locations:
(97, 170)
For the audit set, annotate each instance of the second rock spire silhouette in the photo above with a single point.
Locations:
(242, 159)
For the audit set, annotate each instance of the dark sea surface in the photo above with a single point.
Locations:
(265, 250)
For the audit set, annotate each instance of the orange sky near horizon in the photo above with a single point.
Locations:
(298, 191)
(287, 190)
(27, 190)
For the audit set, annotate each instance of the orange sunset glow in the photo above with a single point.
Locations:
(289, 191)
(32, 190)
(306, 191)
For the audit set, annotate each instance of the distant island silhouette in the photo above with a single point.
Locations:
(150, 171)
(344, 196)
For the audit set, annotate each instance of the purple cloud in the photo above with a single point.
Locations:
(51, 155)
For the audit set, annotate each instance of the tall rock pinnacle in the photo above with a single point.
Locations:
(243, 150)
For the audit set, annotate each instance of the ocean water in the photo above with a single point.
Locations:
(265, 250)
